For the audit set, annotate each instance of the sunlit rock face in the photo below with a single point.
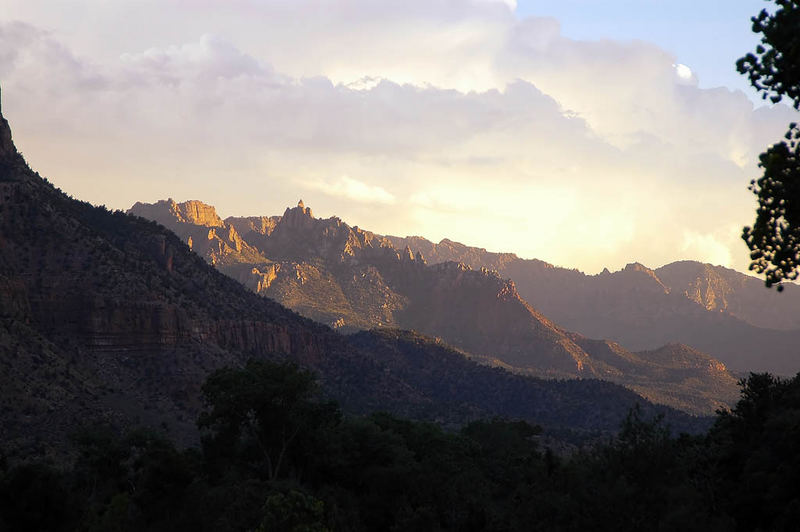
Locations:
(728, 291)
(191, 212)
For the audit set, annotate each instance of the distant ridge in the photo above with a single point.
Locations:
(724, 313)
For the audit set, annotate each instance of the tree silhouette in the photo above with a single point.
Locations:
(774, 70)
(264, 417)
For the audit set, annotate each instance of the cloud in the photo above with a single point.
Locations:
(709, 248)
(469, 123)
(207, 59)
(351, 189)
(683, 72)
(512, 4)
(26, 48)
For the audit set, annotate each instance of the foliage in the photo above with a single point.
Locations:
(384, 473)
(294, 511)
(755, 445)
(262, 417)
(774, 70)
(774, 239)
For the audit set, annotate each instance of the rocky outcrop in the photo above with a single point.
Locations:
(7, 148)
(449, 251)
(188, 212)
(260, 225)
(724, 290)
(10, 159)
(206, 233)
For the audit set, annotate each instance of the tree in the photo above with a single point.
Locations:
(294, 511)
(265, 417)
(757, 467)
(774, 70)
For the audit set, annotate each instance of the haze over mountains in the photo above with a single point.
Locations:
(354, 279)
(106, 317)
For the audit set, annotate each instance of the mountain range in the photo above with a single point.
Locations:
(354, 279)
(109, 318)
(724, 313)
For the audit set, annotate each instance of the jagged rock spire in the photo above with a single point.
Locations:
(305, 210)
(7, 148)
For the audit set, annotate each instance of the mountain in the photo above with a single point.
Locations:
(726, 314)
(725, 290)
(674, 374)
(353, 279)
(106, 317)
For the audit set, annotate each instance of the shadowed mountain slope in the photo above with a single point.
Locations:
(721, 312)
(108, 317)
(674, 374)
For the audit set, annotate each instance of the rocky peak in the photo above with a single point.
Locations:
(300, 216)
(167, 212)
(304, 210)
(198, 213)
(8, 151)
(637, 270)
(448, 250)
(638, 267)
(263, 225)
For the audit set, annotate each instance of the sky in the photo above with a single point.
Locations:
(585, 133)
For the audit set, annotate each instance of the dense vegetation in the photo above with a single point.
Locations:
(276, 457)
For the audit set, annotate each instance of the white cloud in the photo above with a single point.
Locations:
(351, 189)
(512, 4)
(683, 71)
(708, 248)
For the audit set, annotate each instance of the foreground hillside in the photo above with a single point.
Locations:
(381, 472)
(106, 317)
